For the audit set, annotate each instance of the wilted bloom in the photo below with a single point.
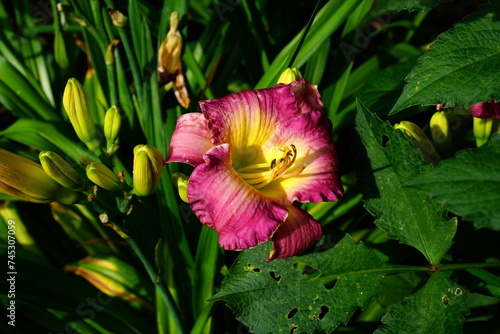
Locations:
(289, 75)
(419, 139)
(103, 176)
(169, 61)
(118, 19)
(59, 170)
(112, 125)
(148, 167)
(486, 110)
(76, 107)
(486, 120)
(25, 179)
(257, 153)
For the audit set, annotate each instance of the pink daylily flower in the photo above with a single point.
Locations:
(486, 110)
(256, 155)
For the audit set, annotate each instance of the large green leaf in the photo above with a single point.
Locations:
(312, 293)
(438, 307)
(468, 185)
(411, 5)
(386, 161)
(462, 68)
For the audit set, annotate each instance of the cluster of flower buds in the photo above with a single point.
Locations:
(55, 179)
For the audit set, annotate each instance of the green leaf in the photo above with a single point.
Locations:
(313, 293)
(386, 161)
(438, 307)
(411, 5)
(461, 68)
(468, 184)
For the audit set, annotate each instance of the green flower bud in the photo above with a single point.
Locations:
(289, 75)
(103, 176)
(440, 131)
(420, 141)
(112, 124)
(109, 57)
(148, 167)
(75, 103)
(25, 179)
(181, 181)
(59, 170)
(118, 19)
(482, 128)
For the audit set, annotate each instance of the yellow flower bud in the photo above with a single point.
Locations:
(112, 124)
(289, 75)
(420, 141)
(25, 179)
(482, 128)
(103, 176)
(118, 19)
(59, 170)
(75, 103)
(181, 181)
(169, 54)
(440, 131)
(148, 167)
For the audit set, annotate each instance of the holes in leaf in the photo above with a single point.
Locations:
(445, 300)
(294, 328)
(324, 310)
(257, 270)
(292, 313)
(458, 291)
(249, 267)
(385, 140)
(304, 269)
(274, 277)
(330, 285)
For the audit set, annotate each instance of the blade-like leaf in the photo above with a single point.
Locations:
(468, 185)
(386, 161)
(438, 307)
(312, 293)
(461, 68)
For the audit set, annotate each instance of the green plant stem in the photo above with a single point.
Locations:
(167, 297)
(455, 266)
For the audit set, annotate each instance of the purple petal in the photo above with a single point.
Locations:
(299, 232)
(486, 110)
(222, 200)
(320, 179)
(307, 96)
(248, 119)
(190, 141)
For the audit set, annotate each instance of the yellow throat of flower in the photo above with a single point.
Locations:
(261, 174)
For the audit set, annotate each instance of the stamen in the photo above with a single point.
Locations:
(260, 176)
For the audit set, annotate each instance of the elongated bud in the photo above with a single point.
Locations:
(419, 140)
(60, 55)
(103, 176)
(148, 167)
(118, 19)
(112, 125)
(59, 170)
(109, 57)
(181, 181)
(169, 54)
(482, 128)
(289, 75)
(110, 275)
(440, 131)
(75, 103)
(25, 179)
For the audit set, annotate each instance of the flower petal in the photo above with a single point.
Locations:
(307, 96)
(221, 199)
(320, 180)
(190, 141)
(299, 232)
(486, 110)
(248, 119)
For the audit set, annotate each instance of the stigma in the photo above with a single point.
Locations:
(260, 175)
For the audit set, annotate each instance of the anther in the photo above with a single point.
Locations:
(273, 164)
